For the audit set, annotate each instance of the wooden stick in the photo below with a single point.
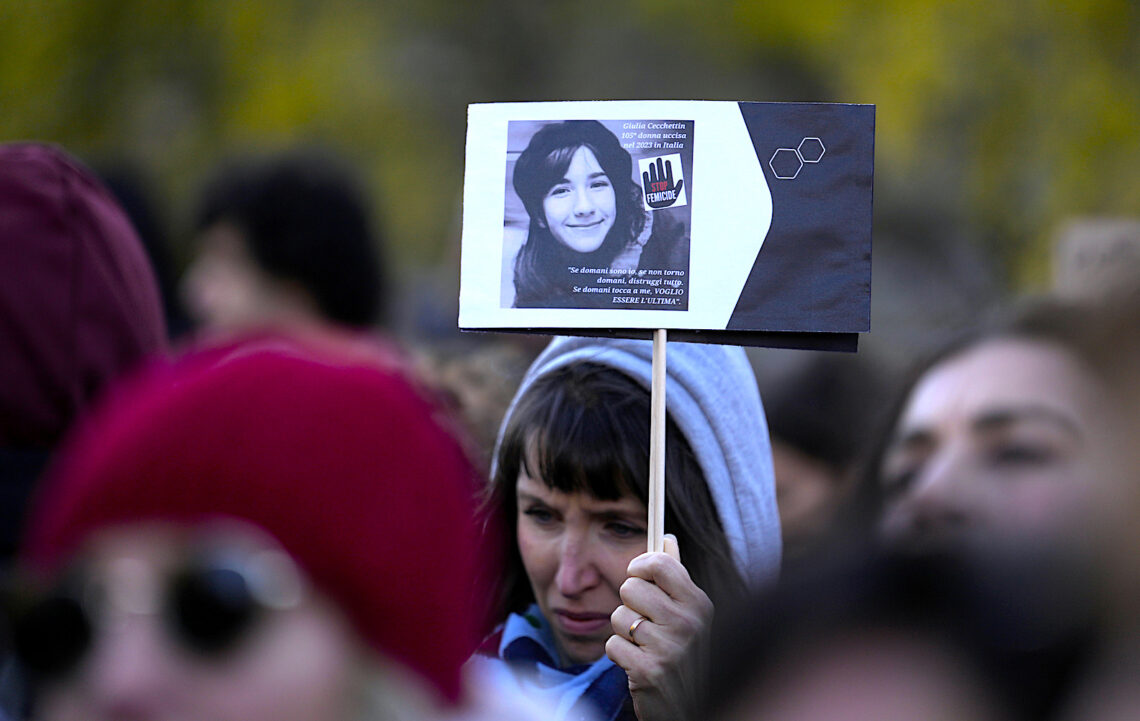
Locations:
(656, 529)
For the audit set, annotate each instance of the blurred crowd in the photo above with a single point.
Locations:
(235, 490)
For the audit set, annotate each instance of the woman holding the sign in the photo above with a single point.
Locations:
(576, 182)
(591, 622)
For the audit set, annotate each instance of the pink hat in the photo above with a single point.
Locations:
(345, 462)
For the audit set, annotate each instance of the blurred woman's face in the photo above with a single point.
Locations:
(291, 662)
(576, 549)
(1009, 437)
(581, 207)
(225, 288)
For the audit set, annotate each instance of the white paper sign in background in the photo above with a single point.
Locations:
(729, 222)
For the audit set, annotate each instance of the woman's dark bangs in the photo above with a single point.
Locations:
(576, 447)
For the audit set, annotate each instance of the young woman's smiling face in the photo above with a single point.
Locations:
(580, 208)
(575, 549)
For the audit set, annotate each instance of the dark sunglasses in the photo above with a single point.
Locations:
(207, 606)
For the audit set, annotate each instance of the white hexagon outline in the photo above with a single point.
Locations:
(798, 168)
(823, 149)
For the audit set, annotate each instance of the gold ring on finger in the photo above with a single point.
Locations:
(633, 628)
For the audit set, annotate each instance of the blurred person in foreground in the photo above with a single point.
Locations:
(283, 241)
(1019, 440)
(868, 636)
(272, 530)
(79, 307)
(1023, 437)
(1003, 495)
(590, 621)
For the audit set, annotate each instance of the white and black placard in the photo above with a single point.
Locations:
(745, 223)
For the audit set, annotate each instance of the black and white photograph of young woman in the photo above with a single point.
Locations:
(578, 232)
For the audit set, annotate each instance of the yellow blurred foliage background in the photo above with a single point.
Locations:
(995, 121)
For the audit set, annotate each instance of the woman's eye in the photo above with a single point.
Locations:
(1019, 455)
(896, 483)
(557, 191)
(600, 183)
(541, 516)
(624, 530)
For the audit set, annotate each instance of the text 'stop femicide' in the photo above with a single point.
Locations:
(745, 223)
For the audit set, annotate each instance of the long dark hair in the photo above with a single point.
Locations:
(585, 428)
(541, 262)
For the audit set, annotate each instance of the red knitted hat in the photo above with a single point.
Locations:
(344, 462)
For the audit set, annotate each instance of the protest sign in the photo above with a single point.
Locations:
(744, 223)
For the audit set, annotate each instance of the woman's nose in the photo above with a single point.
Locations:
(577, 570)
(130, 669)
(583, 204)
(940, 499)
